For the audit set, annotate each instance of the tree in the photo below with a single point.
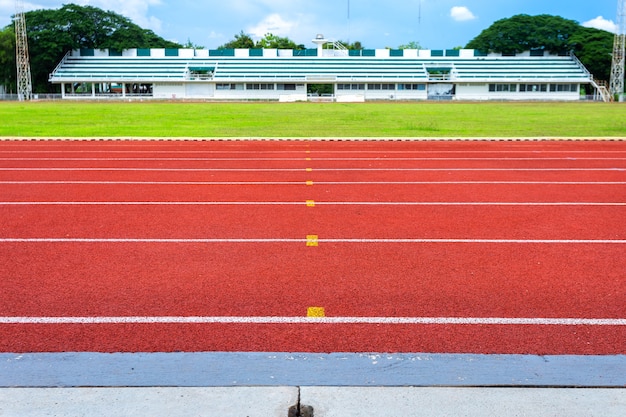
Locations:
(52, 33)
(7, 59)
(523, 32)
(553, 34)
(241, 41)
(191, 45)
(594, 48)
(272, 41)
(411, 45)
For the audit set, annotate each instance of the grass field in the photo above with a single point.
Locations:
(170, 119)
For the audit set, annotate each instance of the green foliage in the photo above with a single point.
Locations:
(269, 41)
(320, 89)
(523, 32)
(191, 45)
(52, 33)
(241, 41)
(553, 34)
(411, 45)
(7, 59)
(272, 41)
(594, 48)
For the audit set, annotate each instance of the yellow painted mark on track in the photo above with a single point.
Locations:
(309, 170)
(310, 203)
(316, 312)
(308, 159)
(312, 240)
(309, 183)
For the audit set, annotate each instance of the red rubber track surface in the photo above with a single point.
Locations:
(540, 205)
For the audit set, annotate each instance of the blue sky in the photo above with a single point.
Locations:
(435, 24)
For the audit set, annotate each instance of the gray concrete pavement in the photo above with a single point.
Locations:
(325, 402)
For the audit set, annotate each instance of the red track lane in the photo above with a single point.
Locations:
(437, 280)
(603, 193)
(316, 163)
(327, 221)
(350, 279)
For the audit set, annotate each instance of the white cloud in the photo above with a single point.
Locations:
(461, 14)
(274, 24)
(601, 23)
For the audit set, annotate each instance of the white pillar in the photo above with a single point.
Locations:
(320, 41)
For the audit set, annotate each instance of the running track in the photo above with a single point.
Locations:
(442, 247)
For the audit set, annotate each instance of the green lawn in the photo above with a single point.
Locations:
(170, 119)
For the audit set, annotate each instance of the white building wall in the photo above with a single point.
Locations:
(380, 95)
(169, 90)
(382, 53)
(465, 91)
(186, 53)
(199, 90)
(474, 92)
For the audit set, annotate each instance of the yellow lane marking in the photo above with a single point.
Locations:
(309, 183)
(312, 240)
(316, 312)
(310, 203)
(309, 170)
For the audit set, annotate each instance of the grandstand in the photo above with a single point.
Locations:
(287, 75)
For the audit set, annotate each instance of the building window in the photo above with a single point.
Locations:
(381, 87)
(573, 88)
(350, 86)
(418, 87)
(286, 87)
(228, 86)
(257, 86)
(533, 88)
(502, 88)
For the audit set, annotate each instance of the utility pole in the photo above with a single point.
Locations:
(617, 67)
(24, 79)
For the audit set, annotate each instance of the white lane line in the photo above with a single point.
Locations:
(128, 169)
(377, 158)
(298, 203)
(317, 320)
(303, 240)
(316, 182)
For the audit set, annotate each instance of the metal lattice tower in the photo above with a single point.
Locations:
(24, 79)
(617, 68)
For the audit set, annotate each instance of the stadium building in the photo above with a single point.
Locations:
(351, 75)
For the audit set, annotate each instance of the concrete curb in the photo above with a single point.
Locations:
(223, 369)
